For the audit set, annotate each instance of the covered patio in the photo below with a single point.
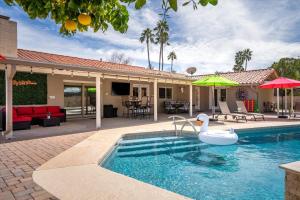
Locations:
(62, 71)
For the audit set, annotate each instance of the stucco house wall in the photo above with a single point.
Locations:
(56, 91)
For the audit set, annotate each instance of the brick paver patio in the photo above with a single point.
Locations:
(18, 159)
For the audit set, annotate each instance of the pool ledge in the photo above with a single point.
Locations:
(292, 167)
(76, 174)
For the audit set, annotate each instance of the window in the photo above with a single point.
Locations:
(165, 93)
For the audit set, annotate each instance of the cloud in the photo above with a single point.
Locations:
(209, 37)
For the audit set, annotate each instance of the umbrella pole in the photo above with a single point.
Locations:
(282, 115)
(213, 104)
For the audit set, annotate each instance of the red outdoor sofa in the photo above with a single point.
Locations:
(24, 117)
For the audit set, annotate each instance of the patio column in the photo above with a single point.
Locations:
(285, 100)
(10, 72)
(82, 100)
(278, 101)
(191, 100)
(155, 100)
(98, 102)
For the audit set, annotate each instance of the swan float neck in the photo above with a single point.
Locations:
(215, 137)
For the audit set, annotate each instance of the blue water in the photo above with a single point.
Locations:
(247, 170)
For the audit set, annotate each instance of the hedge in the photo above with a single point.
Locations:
(26, 94)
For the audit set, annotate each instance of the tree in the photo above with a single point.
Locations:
(147, 36)
(162, 37)
(172, 56)
(239, 60)
(288, 67)
(101, 13)
(247, 54)
(120, 58)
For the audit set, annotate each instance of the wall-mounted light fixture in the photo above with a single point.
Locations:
(182, 89)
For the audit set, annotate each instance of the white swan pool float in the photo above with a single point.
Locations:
(215, 137)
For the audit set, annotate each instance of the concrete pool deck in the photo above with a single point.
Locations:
(76, 174)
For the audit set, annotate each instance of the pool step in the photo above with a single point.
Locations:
(157, 144)
(133, 142)
(161, 150)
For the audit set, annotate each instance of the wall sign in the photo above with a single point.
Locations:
(23, 82)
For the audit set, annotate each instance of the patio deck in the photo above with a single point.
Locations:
(32, 148)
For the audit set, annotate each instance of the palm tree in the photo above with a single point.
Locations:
(147, 36)
(239, 60)
(172, 56)
(162, 37)
(247, 54)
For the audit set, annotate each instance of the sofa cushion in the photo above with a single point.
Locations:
(22, 119)
(53, 109)
(24, 110)
(40, 110)
(57, 114)
(15, 114)
(39, 115)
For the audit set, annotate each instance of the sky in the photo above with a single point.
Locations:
(206, 38)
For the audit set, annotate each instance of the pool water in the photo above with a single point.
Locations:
(246, 170)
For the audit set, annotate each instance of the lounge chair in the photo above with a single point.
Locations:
(242, 109)
(226, 112)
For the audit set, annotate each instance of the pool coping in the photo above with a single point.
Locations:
(76, 174)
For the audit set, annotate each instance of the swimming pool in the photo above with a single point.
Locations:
(247, 170)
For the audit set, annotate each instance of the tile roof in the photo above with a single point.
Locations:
(97, 64)
(250, 77)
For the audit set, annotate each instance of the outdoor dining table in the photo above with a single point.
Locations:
(177, 105)
(135, 105)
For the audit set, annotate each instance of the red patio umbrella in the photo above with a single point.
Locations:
(2, 57)
(281, 82)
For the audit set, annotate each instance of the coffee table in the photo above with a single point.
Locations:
(53, 121)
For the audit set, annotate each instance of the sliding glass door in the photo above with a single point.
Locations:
(80, 100)
(73, 100)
